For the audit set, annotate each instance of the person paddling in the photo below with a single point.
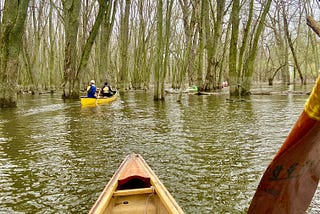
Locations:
(91, 90)
(106, 90)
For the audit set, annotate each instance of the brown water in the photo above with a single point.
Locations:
(56, 157)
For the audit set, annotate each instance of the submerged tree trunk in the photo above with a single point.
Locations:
(52, 60)
(106, 29)
(159, 55)
(71, 10)
(167, 44)
(32, 46)
(124, 46)
(89, 43)
(244, 46)
(213, 76)
(189, 25)
(12, 28)
(72, 71)
(201, 28)
(233, 53)
(241, 75)
(249, 64)
(140, 74)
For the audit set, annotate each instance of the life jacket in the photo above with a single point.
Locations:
(91, 91)
(106, 89)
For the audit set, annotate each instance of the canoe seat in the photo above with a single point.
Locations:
(138, 191)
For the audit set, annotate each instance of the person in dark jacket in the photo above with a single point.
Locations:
(91, 90)
(106, 90)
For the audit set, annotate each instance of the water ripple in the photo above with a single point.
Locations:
(56, 157)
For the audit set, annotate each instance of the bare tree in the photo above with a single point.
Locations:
(169, 5)
(233, 54)
(104, 41)
(241, 76)
(290, 42)
(12, 29)
(124, 45)
(213, 40)
(72, 70)
(159, 52)
(71, 13)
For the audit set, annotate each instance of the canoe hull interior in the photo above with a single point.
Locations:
(136, 204)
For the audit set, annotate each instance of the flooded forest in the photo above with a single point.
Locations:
(209, 151)
(60, 45)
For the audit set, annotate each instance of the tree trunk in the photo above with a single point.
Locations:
(124, 45)
(89, 43)
(189, 24)
(315, 50)
(12, 29)
(244, 46)
(106, 30)
(71, 10)
(167, 43)
(286, 30)
(32, 47)
(159, 53)
(140, 54)
(209, 80)
(72, 71)
(233, 53)
(188, 59)
(213, 77)
(249, 65)
(53, 49)
(201, 29)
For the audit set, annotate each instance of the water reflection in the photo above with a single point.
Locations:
(209, 153)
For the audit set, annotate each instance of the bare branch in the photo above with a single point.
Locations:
(313, 25)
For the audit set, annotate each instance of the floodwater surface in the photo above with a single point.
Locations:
(56, 157)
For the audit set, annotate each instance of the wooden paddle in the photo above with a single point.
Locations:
(291, 179)
(98, 96)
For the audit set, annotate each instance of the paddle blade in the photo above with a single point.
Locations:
(291, 179)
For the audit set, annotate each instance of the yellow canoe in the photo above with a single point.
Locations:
(86, 101)
(135, 188)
